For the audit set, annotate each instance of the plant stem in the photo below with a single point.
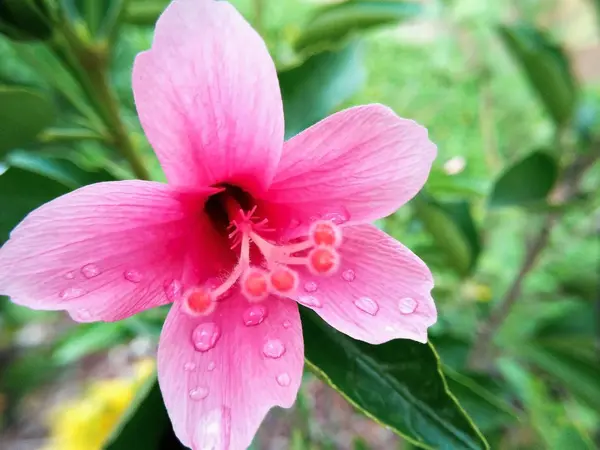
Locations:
(88, 62)
(54, 135)
(259, 9)
(567, 188)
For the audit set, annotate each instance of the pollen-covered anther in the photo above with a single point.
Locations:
(325, 232)
(255, 284)
(323, 260)
(199, 301)
(283, 280)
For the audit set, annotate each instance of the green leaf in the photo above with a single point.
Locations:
(99, 16)
(331, 24)
(546, 67)
(24, 113)
(87, 339)
(399, 384)
(319, 85)
(25, 19)
(62, 170)
(22, 191)
(488, 410)
(547, 416)
(145, 12)
(145, 425)
(527, 182)
(36, 179)
(452, 227)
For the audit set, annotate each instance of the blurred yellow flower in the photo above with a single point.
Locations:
(86, 423)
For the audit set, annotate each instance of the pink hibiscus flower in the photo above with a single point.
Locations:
(247, 227)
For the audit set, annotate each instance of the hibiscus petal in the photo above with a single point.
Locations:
(381, 292)
(208, 97)
(105, 251)
(362, 163)
(218, 397)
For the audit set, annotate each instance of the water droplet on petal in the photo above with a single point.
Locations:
(367, 305)
(71, 292)
(254, 315)
(283, 379)
(173, 289)
(287, 324)
(349, 275)
(310, 301)
(135, 276)
(82, 315)
(205, 336)
(199, 393)
(90, 270)
(70, 275)
(189, 367)
(389, 329)
(211, 366)
(273, 348)
(340, 217)
(407, 305)
(310, 286)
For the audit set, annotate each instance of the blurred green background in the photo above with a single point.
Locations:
(509, 220)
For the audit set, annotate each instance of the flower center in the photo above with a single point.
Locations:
(273, 272)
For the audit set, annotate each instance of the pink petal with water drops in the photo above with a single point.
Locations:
(219, 375)
(382, 290)
(360, 164)
(208, 97)
(107, 251)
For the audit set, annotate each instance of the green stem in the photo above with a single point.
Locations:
(88, 62)
(54, 135)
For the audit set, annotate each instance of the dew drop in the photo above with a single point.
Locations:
(211, 366)
(173, 289)
(254, 315)
(310, 301)
(133, 275)
(71, 292)
(90, 270)
(205, 336)
(273, 348)
(310, 286)
(189, 367)
(199, 393)
(349, 275)
(389, 329)
(367, 305)
(287, 324)
(407, 305)
(283, 379)
(82, 315)
(338, 218)
(69, 275)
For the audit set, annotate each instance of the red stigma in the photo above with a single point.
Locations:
(323, 260)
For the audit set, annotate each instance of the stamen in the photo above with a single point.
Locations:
(323, 260)
(325, 232)
(255, 284)
(199, 301)
(284, 280)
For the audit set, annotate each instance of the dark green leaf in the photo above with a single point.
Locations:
(488, 410)
(527, 182)
(322, 83)
(23, 114)
(22, 191)
(399, 384)
(453, 229)
(332, 23)
(547, 69)
(25, 19)
(145, 425)
(59, 169)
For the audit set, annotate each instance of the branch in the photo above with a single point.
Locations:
(567, 188)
